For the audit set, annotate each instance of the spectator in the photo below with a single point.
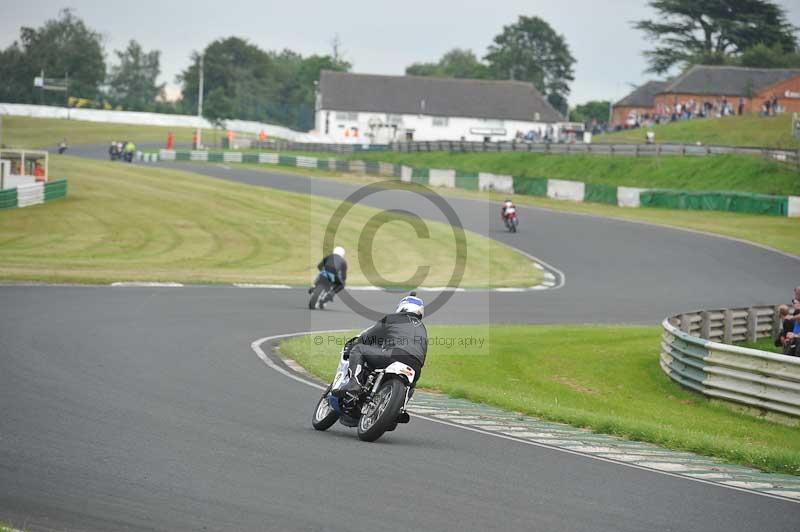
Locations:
(170, 141)
(789, 336)
(741, 105)
(774, 105)
(38, 172)
(767, 104)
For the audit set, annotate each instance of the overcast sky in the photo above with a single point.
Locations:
(377, 36)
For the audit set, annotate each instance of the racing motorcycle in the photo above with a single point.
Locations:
(323, 287)
(376, 408)
(511, 219)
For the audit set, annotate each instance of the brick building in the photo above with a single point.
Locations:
(636, 105)
(707, 88)
(715, 84)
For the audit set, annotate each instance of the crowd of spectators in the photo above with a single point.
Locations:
(789, 334)
(692, 109)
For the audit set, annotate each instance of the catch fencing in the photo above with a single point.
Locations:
(695, 352)
(621, 150)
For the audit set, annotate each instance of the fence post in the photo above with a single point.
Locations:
(776, 321)
(727, 326)
(705, 325)
(752, 324)
(637, 150)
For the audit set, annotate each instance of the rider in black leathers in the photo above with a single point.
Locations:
(398, 337)
(335, 265)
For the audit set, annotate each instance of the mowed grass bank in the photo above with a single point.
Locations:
(719, 173)
(606, 378)
(124, 222)
(746, 130)
(24, 132)
(772, 231)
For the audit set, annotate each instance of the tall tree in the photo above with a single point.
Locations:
(257, 85)
(133, 82)
(592, 110)
(712, 31)
(457, 63)
(64, 47)
(531, 50)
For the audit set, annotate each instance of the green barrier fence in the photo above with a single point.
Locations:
(598, 193)
(530, 186)
(322, 164)
(8, 198)
(372, 167)
(287, 160)
(397, 171)
(342, 166)
(183, 156)
(467, 180)
(420, 176)
(716, 201)
(216, 157)
(251, 158)
(55, 189)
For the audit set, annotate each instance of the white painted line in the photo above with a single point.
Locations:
(514, 289)
(255, 285)
(538, 266)
(441, 289)
(256, 346)
(137, 284)
(365, 289)
(549, 276)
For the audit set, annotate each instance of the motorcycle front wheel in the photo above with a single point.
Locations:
(324, 415)
(383, 410)
(318, 290)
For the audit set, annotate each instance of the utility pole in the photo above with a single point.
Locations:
(200, 102)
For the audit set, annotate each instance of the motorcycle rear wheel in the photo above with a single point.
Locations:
(324, 416)
(389, 400)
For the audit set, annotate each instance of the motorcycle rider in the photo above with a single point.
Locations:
(398, 337)
(507, 204)
(335, 268)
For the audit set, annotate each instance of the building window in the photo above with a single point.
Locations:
(440, 121)
(347, 116)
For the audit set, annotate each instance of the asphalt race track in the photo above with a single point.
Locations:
(146, 409)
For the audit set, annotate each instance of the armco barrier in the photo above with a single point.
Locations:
(559, 189)
(692, 354)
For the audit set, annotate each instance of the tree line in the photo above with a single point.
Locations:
(243, 81)
(240, 80)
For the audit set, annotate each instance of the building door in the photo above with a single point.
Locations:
(409, 135)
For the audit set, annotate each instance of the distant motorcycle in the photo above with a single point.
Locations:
(376, 408)
(511, 220)
(323, 287)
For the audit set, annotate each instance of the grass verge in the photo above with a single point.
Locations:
(772, 231)
(24, 132)
(605, 378)
(124, 222)
(740, 173)
(746, 130)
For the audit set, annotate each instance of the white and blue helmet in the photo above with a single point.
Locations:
(411, 304)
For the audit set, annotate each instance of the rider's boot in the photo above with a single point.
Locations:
(311, 289)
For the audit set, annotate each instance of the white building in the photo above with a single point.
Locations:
(367, 108)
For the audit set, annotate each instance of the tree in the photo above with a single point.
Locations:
(64, 47)
(256, 85)
(592, 110)
(456, 63)
(712, 31)
(531, 50)
(132, 83)
(763, 56)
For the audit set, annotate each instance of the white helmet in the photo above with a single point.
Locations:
(411, 304)
(338, 250)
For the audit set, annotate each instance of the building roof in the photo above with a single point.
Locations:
(727, 80)
(643, 95)
(473, 98)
